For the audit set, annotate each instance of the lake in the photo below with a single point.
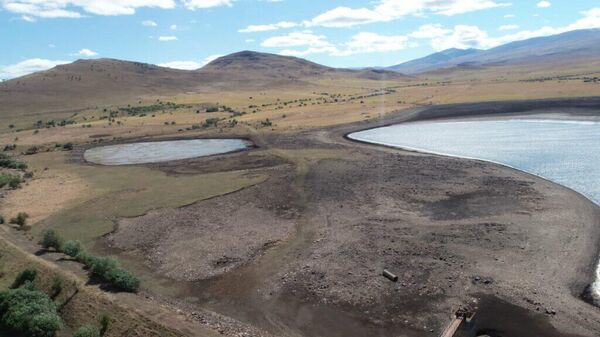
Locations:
(155, 152)
(566, 152)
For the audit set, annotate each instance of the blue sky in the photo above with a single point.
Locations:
(36, 34)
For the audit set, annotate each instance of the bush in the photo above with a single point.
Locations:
(86, 258)
(20, 220)
(57, 286)
(45, 325)
(102, 266)
(2, 221)
(104, 323)
(51, 239)
(68, 146)
(12, 180)
(7, 162)
(107, 269)
(72, 248)
(87, 331)
(123, 280)
(27, 275)
(29, 312)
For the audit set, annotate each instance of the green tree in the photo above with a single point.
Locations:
(101, 266)
(20, 220)
(123, 280)
(72, 248)
(29, 312)
(87, 331)
(27, 275)
(51, 239)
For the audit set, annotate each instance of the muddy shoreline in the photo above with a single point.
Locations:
(443, 224)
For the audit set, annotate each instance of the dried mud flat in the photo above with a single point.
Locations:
(302, 253)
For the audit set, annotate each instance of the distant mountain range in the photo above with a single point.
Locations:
(574, 45)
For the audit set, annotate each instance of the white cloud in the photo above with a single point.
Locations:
(200, 4)
(184, 65)
(508, 27)
(86, 53)
(27, 67)
(361, 43)
(149, 23)
(509, 16)
(430, 31)
(28, 18)
(347, 17)
(209, 59)
(544, 4)
(167, 38)
(388, 10)
(296, 39)
(264, 28)
(464, 36)
(173, 27)
(73, 8)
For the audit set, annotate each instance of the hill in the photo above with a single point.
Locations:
(83, 84)
(249, 68)
(86, 83)
(433, 61)
(573, 45)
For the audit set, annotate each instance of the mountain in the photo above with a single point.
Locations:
(257, 69)
(86, 83)
(433, 61)
(573, 45)
(82, 84)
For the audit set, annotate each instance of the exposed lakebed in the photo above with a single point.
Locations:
(564, 151)
(162, 151)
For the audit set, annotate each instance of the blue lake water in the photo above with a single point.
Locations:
(566, 152)
(155, 152)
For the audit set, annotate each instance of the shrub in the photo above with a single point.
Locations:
(51, 239)
(28, 175)
(123, 280)
(87, 331)
(101, 266)
(85, 258)
(45, 325)
(27, 275)
(12, 180)
(72, 248)
(20, 220)
(15, 182)
(104, 324)
(29, 312)
(12, 164)
(68, 146)
(2, 221)
(57, 286)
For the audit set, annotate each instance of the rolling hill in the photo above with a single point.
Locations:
(573, 45)
(99, 82)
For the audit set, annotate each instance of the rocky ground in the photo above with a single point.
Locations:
(302, 254)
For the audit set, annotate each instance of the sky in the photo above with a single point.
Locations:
(186, 34)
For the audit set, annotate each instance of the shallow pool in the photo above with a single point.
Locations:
(156, 152)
